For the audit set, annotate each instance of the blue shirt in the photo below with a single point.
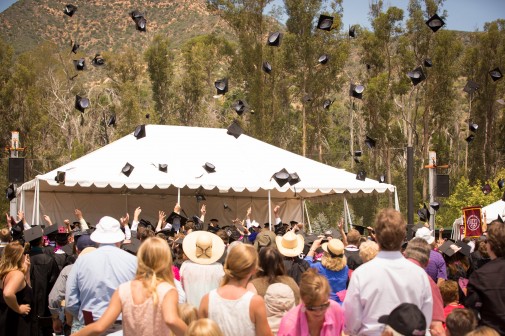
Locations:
(337, 279)
(94, 278)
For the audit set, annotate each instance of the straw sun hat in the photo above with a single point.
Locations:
(290, 244)
(203, 247)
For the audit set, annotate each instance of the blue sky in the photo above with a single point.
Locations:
(466, 15)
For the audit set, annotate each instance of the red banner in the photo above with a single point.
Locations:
(472, 219)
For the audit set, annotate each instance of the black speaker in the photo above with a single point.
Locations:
(16, 170)
(442, 186)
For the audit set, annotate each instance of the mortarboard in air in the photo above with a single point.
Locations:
(221, 86)
(370, 142)
(240, 107)
(428, 63)
(140, 132)
(471, 86)
(81, 103)
(75, 46)
(274, 39)
(176, 220)
(80, 64)
(325, 22)
(323, 59)
(352, 31)
(98, 60)
(70, 10)
(470, 138)
(267, 67)
(163, 167)
(435, 205)
(435, 23)
(10, 192)
(495, 74)
(424, 214)
(361, 175)
(501, 183)
(486, 189)
(281, 177)
(473, 127)
(294, 178)
(33, 233)
(356, 91)
(127, 169)
(327, 103)
(382, 178)
(111, 121)
(234, 129)
(60, 177)
(209, 167)
(416, 75)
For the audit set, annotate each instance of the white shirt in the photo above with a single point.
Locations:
(197, 280)
(379, 286)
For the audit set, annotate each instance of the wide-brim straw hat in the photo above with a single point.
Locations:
(290, 244)
(203, 247)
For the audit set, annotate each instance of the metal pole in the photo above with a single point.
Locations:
(14, 154)
(431, 185)
(410, 185)
(269, 211)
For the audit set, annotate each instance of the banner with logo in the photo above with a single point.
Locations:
(472, 221)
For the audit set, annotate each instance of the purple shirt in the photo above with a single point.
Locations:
(436, 266)
(294, 323)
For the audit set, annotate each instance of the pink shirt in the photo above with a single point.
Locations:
(294, 323)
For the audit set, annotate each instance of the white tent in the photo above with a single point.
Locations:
(243, 174)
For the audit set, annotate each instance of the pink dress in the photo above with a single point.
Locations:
(143, 319)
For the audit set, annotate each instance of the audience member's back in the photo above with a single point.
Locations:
(352, 249)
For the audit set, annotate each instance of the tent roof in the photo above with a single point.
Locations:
(243, 165)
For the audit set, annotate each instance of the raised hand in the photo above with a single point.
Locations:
(136, 214)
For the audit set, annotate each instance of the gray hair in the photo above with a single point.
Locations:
(419, 250)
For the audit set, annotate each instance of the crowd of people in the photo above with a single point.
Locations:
(189, 276)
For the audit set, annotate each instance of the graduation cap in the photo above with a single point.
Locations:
(98, 60)
(234, 129)
(435, 23)
(51, 229)
(473, 127)
(133, 246)
(176, 220)
(307, 98)
(281, 177)
(140, 132)
(471, 86)
(75, 47)
(127, 169)
(325, 22)
(35, 232)
(356, 91)
(370, 142)
(449, 248)
(221, 86)
(209, 167)
(60, 177)
(267, 67)
(70, 10)
(200, 198)
(501, 183)
(294, 178)
(80, 64)
(470, 138)
(327, 103)
(416, 75)
(111, 121)
(352, 31)
(140, 21)
(423, 213)
(382, 178)
(323, 59)
(163, 167)
(361, 175)
(274, 39)
(147, 224)
(357, 153)
(198, 222)
(240, 107)
(495, 74)
(465, 249)
(428, 63)
(435, 205)
(361, 229)
(10, 192)
(81, 103)
(486, 189)
(356, 159)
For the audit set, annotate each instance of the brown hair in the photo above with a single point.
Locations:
(241, 260)
(390, 230)
(353, 237)
(449, 291)
(313, 287)
(187, 312)
(460, 322)
(496, 238)
(483, 331)
(271, 264)
(5, 235)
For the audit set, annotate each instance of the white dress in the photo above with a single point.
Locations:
(232, 316)
(197, 280)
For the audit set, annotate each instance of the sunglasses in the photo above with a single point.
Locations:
(318, 308)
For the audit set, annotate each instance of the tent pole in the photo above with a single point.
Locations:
(269, 211)
(37, 203)
(308, 219)
(397, 204)
(346, 213)
(179, 196)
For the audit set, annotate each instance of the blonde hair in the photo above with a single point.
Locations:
(203, 327)
(483, 331)
(154, 265)
(240, 262)
(12, 259)
(313, 287)
(368, 250)
(333, 264)
(187, 312)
